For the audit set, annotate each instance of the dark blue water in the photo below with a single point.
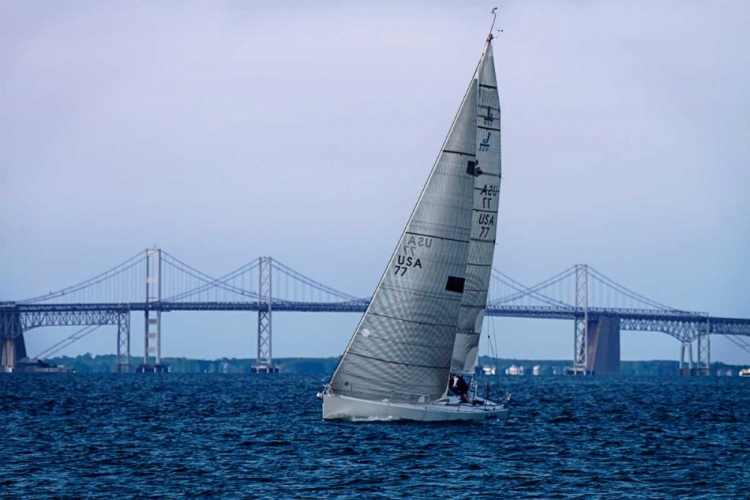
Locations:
(259, 436)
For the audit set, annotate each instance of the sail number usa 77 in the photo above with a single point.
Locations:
(488, 194)
(407, 257)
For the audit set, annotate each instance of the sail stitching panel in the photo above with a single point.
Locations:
(472, 155)
(396, 362)
(438, 237)
(411, 321)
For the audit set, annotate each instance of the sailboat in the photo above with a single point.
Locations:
(425, 318)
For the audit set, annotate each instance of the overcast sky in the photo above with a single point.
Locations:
(221, 131)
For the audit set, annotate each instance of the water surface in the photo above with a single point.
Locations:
(261, 436)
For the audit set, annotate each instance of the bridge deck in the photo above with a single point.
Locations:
(668, 321)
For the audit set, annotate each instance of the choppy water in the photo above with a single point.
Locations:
(257, 436)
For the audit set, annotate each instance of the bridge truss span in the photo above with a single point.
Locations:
(155, 282)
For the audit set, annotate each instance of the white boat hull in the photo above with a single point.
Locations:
(337, 407)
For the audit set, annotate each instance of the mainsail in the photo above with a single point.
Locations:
(484, 218)
(401, 350)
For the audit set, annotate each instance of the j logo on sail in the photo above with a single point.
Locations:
(489, 118)
(485, 145)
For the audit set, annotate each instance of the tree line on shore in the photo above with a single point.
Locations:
(88, 363)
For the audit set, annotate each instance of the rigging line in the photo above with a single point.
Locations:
(495, 352)
(100, 277)
(494, 18)
(489, 341)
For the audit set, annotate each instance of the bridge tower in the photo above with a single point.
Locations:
(581, 323)
(265, 360)
(152, 319)
(704, 348)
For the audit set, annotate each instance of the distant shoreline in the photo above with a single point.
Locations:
(106, 363)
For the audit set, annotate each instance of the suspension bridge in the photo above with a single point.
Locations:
(155, 282)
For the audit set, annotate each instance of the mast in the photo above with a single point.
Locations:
(484, 216)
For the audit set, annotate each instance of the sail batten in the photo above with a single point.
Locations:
(402, 348)
(484, 218)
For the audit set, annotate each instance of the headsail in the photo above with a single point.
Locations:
(484, 218)
(401, 349)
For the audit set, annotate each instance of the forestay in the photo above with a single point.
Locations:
(401, 350)
(484, 218)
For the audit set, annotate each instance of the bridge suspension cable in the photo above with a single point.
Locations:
(604, 280)
(288, 271)
(106, 275)
(208, 281)
(740, 342)
(534, 291)
(47, 353)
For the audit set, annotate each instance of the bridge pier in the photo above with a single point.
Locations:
(683, 370)
(12, 344)
(603, 345)
(12, 350)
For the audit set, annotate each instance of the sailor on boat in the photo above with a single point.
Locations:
(424, 321)
(462, 389)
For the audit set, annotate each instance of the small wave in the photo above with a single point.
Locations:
(375, 419)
